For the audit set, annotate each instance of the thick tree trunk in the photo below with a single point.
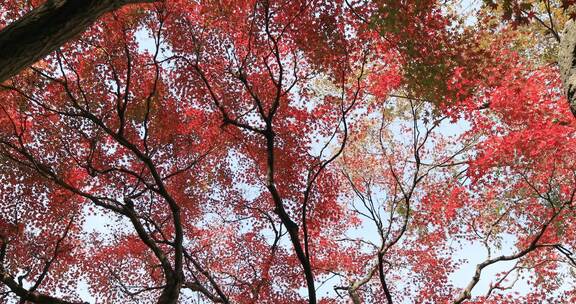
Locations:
(567, 63)
(171, 292)
(46, 28)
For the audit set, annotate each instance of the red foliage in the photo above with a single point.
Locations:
(284, 152)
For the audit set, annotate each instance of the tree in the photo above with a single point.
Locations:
(552, 17)
(45, 28)
(284, 152)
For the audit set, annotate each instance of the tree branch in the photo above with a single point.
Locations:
(46, 28)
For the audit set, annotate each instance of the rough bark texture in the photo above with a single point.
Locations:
(46, 28)
(567, 63)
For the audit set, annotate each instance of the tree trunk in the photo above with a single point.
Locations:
(47, 27)
(567, 63)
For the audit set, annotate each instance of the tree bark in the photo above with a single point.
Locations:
(567, 63)
(47, 27)
(27, 296)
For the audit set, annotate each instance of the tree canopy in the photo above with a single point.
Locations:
(281, 151)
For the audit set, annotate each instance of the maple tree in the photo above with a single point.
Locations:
(45, 28)
(287, 152)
